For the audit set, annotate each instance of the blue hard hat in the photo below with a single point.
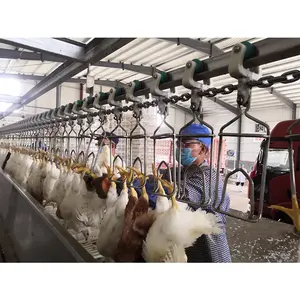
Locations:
(112, 137)
(198, 129)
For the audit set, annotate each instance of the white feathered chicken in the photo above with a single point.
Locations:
(36, 178)
(175, 254)
(112, 224)
(25, 171)
(163, 203)
(81, 209)
(103, 160)
(52, 175)
(178, 227)
(58, 192)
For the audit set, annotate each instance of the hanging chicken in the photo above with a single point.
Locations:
(25, 171)
(111, 226)
(108, 153)
(52, 175)
(36, 177)
(81, 208)
(138, 220)
(178, 227)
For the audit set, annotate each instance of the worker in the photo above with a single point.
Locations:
(240, 179)
(108, 137)
(195, 151)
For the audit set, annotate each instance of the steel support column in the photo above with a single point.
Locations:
(294, 113)
(58, 96)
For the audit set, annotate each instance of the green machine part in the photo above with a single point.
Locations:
(164, 77)
(78, 103)
(200, 66)
(137, 85)
(119, 91)
(251, 50)
(90, 100)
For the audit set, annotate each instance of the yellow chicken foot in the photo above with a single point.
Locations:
(128, 175)
(144, 191)
(109, 170)
(167, 184)
(125, 184)
(160, 187)
(81, 169)
(293, 213)
(174, 202)
(143, 178)
(170, 189)
(154, 171)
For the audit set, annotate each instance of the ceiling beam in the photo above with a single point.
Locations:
(100, 49)
(182, 108)
(25, 55)
(70, 69)
(225, 105)
(48, 45)
(134, 68)
(70, 41)
(197, 45)
(284, 99)
(109, 83)
(15, 54)
(9, 99)
(269, 50)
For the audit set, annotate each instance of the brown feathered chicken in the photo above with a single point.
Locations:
(102, 184)
(138, 220)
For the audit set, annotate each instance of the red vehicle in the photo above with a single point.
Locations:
(277, 190)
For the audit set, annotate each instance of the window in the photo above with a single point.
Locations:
(10, 87)
(278, 159)
(4, 106)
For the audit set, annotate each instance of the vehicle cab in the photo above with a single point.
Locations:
(277, 190)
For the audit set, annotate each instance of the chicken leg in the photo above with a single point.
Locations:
(170, 190)
(293, 213)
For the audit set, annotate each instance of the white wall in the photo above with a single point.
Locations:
(70, 92)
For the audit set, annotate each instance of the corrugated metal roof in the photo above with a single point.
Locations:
(167, 56)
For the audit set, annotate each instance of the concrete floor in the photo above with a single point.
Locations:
(238, 198)
(264, 241)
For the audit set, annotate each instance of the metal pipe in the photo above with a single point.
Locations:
(58, 96)
(81, 91)
(239, 139)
